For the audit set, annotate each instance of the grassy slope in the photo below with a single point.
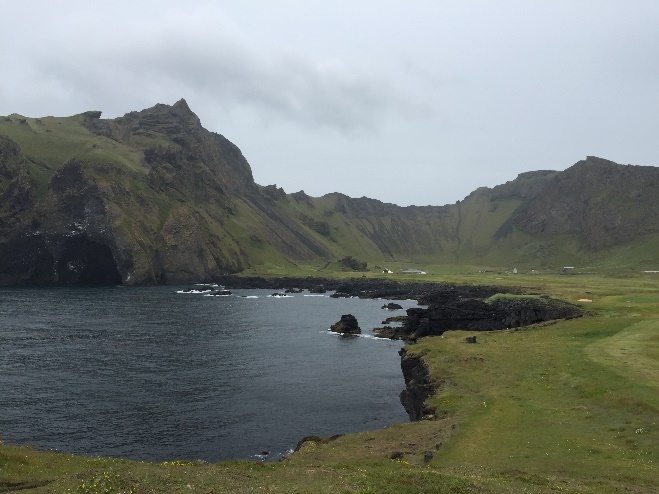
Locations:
(49, 142)
(570, 407)
(463, 233)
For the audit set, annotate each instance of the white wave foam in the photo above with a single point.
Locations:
(313, 295)
(193, 291)
(361, 335)
(272, 456)
(280, 296)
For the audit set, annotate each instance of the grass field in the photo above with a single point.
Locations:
(566, 407)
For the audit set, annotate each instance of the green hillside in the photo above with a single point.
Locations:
(153, 197)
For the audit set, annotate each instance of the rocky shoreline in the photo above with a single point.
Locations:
(449, 307)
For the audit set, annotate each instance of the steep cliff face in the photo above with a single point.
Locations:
(159, 198)
(61, 236)
(153, 197)
(418, 387)
(601, 203)
(173, 140)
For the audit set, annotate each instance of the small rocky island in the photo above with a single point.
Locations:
(346, 326)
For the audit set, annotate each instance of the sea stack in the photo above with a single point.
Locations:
(347, 325)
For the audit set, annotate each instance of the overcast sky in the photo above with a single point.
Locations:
(408, 102)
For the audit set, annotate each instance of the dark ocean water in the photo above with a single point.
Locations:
(152, 374)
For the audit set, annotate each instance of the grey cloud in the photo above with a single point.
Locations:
(227, 74)
(417, 102)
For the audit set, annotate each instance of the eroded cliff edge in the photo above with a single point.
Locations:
(418, 386)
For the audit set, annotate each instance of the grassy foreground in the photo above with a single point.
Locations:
(567, 407)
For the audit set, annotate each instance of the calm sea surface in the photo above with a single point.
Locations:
(152, 374)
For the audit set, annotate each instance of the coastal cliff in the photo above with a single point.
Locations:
(418, 386)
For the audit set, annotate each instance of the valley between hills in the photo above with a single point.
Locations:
(566, 405)
(153, 197)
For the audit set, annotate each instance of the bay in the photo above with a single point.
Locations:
(152, 374)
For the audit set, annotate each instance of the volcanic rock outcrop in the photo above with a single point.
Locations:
(497, 312)
(347, 325)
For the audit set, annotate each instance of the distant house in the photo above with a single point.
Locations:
(387, 271)
(567, 269)
(413, 271)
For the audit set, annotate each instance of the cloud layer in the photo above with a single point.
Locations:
(196, 54)
(416, 103)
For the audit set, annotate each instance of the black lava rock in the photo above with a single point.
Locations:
(346, 325)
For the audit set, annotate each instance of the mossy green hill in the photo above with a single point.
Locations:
(153, 197)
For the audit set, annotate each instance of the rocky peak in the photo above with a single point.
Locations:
(594, 163)
(170, 120)
(92, 114)
(598, 160)
(526, 186)
(182, 109)
(597, 200)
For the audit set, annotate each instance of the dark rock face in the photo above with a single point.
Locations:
(84, 261)
(42, 260)
(347, 325)
(418, 387)
(479, 315)
(67, 240)
(392, 306)
(26, 260)
(588, 201)
(470, 314)
(16, 193)
(392, 333)
(523, 312)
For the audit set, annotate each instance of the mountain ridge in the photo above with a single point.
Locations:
(154, 197)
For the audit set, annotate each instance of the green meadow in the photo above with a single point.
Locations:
(571, 406)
